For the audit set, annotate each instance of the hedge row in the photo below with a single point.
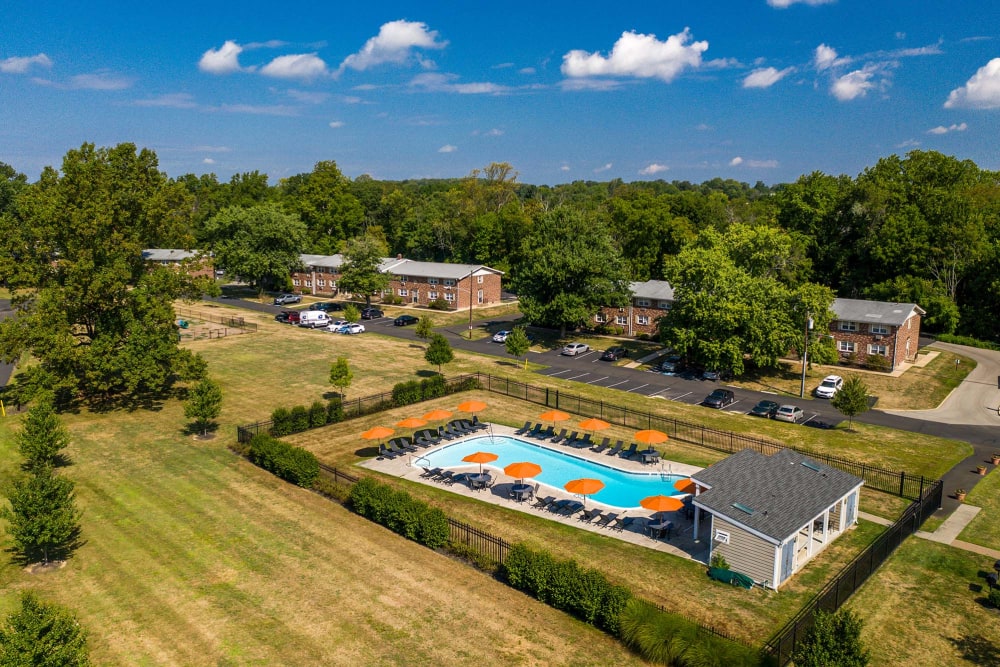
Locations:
(400, 512)
(968, 340)
(300, 418)
(290, 463)
(563, 584)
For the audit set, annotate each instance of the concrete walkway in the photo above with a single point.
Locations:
(947, 532)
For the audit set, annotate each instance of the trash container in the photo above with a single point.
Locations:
(183, 324)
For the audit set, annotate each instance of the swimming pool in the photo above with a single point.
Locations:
(621, 488)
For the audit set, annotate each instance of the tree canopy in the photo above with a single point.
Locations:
(359, 274)
(44, 634)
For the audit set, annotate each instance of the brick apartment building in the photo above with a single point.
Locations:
(865, 328)
(414, 282)
(197, 265)
(650, 300)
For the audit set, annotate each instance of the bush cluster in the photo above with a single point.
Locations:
(584, 593)
(405, 393)
(290, 463)
(968, 340)
(392, 299)
(439, 304)
(300, 418)
(876, 362)
(400, 512)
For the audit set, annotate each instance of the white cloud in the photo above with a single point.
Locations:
(308, 96)
(447, 148)
(256, 109)
(100, 80)
(736, 161)
(564, 167)
(909, 143)
(337, 123)
(20, 65)
(295, 66)
(765, 77)
(394, 43)
(445, 83)
(351, 99)
(653, 168)
(854, 84)
(170, 100)
(783, 4)
(826, 57)
(703, 127)
(208, 160)
(494, 132)
(223, 60)
(590, 84)
(641, 56)
(526, 70)
(604, 168)
(941, 129)
(982, 91)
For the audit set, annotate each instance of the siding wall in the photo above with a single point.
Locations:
(746, 553)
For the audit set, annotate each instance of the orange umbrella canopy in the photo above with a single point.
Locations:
(480, 458)
(554, 416)
(522, 469)
(594, 424)
(471, 406)
(412, 422)
(437, 415)
(685, 485)
(650, 437)
(377, 433)
(662, 503)
(584, 486)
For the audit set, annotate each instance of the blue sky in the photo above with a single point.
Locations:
(745, 89)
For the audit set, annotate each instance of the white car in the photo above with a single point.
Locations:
(336, 326)
(829, 387)
(353, 329)
(500, 336)
(574, 349)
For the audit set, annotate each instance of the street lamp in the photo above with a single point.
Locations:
(805, 354)
(470, 302)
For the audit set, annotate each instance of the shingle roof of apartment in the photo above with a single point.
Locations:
(167, 254)
(876, 312)
(659, 290)
(402, 267)
(772, 495)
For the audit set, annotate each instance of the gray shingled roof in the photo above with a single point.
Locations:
(876, 312)
(322, 261)
(657, 290)
(783, 493)
(167, 254)
(410, 267)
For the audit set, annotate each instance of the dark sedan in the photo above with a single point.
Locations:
(720, 398)
(764, 409)
(614, 353)
(371, 314)
(326, 306)
(405, 320)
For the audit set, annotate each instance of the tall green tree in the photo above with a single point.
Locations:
(360, 274)
(517, 344)
(43, 634)
(42, 519)
(323, 200)
(261, 244)
(341, 375)
(833, 641)
(424, 328)
(204, 404)
(42, 437)
(99, 322)
(852, 399)
(439, 351)
(567, 269)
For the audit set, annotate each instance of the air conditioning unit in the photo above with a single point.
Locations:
(878, 336)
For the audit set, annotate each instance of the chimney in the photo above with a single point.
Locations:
(399, 255)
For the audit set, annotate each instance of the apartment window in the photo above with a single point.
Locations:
(642, 303)
(309, 283)
(722, 536)
(846, 346)
(296, 282)
(320, 283)
(333, 284)
(599, 318)
(664, 305)
(432, 296)
(621, 320)
(878, 349)
(848, 326)
(642, 319)
(449, 296)
(403, 292)
(448, 282)
(878, 329)
(432, 281)
(479, 279)
(403, 279)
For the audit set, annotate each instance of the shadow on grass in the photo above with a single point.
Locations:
(426, 373)
(977, 649)
(367, 452)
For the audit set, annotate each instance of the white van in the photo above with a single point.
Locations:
(313, 319)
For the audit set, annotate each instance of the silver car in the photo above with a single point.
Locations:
(574, 349)
(789, 413)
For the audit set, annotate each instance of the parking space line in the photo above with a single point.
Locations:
(638, 388)
(615, 384)
(578, 376)
(677, 398)
(598, 380)
(565, 370)
(656, 393)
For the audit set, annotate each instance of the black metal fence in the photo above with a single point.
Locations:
(234, 322)
(491, 546)
(338, 476)
(839, 589)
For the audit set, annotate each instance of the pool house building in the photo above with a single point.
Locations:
(771, 514)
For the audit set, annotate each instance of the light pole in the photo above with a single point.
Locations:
(470, 302)
(805, 355)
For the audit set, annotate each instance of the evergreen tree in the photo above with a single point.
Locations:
(204, 403)
(341, 375)
(852, 399)
(42, 436)
(833, 641)
(42, 518)
(439, 351)
(43, 634)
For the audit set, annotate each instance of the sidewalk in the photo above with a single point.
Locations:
(947, 532)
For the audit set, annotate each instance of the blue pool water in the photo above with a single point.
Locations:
(621, 488)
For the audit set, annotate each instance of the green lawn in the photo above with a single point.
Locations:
(926, 606)
(984, 529)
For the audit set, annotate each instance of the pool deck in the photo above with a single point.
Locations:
(681, 542)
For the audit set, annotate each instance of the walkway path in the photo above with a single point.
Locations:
(947, 532)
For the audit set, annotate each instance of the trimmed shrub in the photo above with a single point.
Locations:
(331, 489)
(994, 597)
(392, 299)
(405, 393)
(400, 512)
(281, 422)
(719, 561)
(334, 411)
(876, 362)
(299, 419)
(317, 414)
(468, 384)
(439, 304)
(968, 340)
(290, 463)
(433, 387)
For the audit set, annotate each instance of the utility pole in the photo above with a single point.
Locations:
(470, 302)
(805, 355)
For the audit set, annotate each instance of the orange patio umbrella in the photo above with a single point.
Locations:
(685, 485)
(377, 433)
(662, 503)
(471, 406)
(584, 486)
(522, 470)
(437, 415)
(412, 422)
(650, 437)
(594, 424)
(554, 416)
(480, 458)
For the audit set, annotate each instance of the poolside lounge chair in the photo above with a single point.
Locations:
(406, 444)
(524, 429)
(460, 427)
(571, 508)
(458, 478)
(445, 476)
(542, 503)
(547, 433)
(430, 473)
(559, 438)
(585, 441)
(534, 431)
(396, 451)
(452, 432)
(478, 425)
(570, 439)
(606, 519)
(616, 449)
(630, 452)
(591, 514)
(604, 445)
(385, 453)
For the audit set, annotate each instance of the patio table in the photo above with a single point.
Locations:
(478, 480)
(521, 491)
(650, 456)
(662, 529)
